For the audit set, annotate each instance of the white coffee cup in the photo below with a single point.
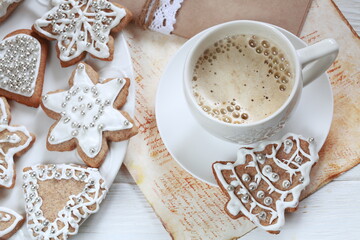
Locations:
(308, 63)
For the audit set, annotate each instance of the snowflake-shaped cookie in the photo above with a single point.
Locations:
(81, 26)
(88, 115)
(14, 141)
(267, 180)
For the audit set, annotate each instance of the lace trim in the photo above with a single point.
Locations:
(160, 15)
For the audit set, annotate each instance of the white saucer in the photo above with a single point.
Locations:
(195, 149)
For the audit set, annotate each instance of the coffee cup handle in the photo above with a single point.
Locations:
(317, 58)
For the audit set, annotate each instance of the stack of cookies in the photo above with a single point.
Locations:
(59, 197)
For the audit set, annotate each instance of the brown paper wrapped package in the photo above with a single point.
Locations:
(197, 15)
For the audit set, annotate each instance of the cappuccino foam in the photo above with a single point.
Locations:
(242, 79)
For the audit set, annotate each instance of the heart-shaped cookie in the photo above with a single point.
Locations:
(267, 179)
(22, 66)
(10, 222)
(14, 141)
(60, 197)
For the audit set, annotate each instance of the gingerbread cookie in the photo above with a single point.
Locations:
(60, 197)
(14, 141)
(22, 66)
(10, 222)
(7, 7)
(267, 180)
(87, 115)
(82, 26)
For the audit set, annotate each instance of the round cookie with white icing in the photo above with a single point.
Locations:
(87, 115)
(14, 141)
(58, 198)
(83, 26)
(10, 222)
(22, 66)
(266, 180)
(7, 7)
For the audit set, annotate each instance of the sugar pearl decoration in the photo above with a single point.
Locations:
(230, 188)
(82, 176)
(262, 215)
(74, 133)
(18, 64)
(45, 223)
(301, 179)
(253, 186)
(267, 168)
(275, 177)
(260, 157)
(311, 140)
(268, 201)
(286, 184)
(245, 198)
(298, 159)
(260, 194)
(245, 177)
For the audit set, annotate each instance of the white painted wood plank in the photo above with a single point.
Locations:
(332, 213)
(351, 11)
(351, 175)
(124, 214)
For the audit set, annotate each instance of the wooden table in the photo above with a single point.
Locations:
(333, 212)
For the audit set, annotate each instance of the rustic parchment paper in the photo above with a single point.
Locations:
(191, 209)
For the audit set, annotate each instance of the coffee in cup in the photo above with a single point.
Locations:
(242, 79)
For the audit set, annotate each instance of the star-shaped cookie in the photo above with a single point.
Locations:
(87, 115)
(14, 141)
(267, 180)
(81, 26)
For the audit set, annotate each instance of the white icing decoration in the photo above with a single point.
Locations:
(288, 145)
(19, 64)
(4, 118)
(7, 158)
(93, 193)
(235, 205)
(4, 5)
(7, 217)
(100, 117)
(78, 28)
